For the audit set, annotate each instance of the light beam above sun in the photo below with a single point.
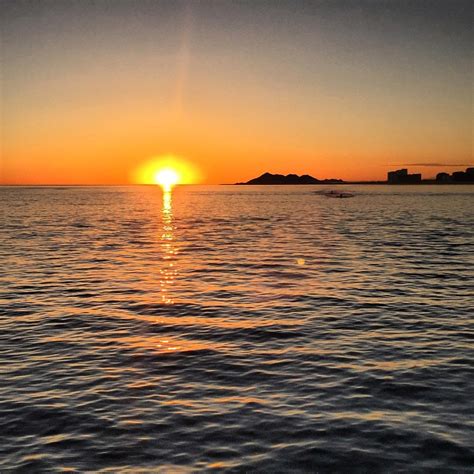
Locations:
(166, 171)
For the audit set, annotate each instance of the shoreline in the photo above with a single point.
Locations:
(425, 182)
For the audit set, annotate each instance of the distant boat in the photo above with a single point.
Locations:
(335, 194)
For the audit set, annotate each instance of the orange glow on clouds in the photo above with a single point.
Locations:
(167, 170)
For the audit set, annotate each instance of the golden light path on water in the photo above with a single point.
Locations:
(169, 251)
(167, 277)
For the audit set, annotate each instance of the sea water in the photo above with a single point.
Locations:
(242, 328)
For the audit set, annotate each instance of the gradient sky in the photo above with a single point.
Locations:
(348, 89)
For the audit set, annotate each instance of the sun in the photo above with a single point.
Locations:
(166, 178)
(166, 171)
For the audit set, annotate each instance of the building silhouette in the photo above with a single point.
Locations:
(402, 177)
(443, 177)
(457, 177)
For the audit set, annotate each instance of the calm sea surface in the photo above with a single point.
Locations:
(250, 329)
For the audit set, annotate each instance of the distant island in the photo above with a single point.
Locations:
(269, 178)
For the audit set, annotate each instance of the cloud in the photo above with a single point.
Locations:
(436, 164)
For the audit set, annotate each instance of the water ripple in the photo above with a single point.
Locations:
(245, 329)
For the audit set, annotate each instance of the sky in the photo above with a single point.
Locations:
(92, 90)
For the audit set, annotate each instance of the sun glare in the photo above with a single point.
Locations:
(167, 178)
(166, 171)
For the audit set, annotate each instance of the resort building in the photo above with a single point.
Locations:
(402, 177)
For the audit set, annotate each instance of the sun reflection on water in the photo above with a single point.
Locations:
(168, 269)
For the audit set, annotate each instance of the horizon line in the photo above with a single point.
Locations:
(78, 185)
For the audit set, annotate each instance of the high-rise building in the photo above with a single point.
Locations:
(402, 177)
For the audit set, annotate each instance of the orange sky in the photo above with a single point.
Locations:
(91, 93)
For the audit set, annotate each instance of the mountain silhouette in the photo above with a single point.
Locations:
(269, 178)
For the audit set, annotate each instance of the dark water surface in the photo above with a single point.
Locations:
(253, 329)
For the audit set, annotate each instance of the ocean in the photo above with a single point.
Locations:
(237, 329)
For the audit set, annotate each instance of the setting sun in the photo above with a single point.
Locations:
(166, 177)
(167, 171)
